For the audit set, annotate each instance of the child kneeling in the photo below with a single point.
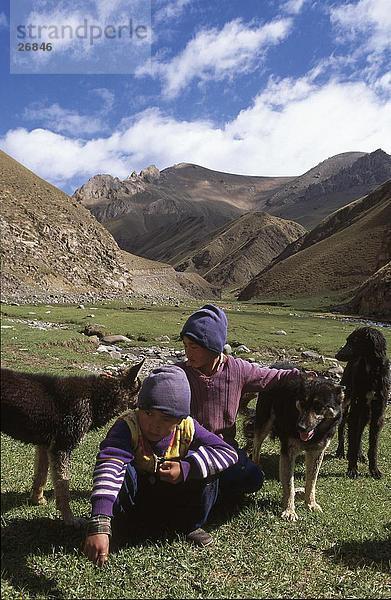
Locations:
(157, 464)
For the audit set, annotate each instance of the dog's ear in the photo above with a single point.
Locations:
(132, 373)
(379, 345)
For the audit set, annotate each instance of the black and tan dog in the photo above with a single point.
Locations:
(54, 413)
(304, 413)
(367, 381)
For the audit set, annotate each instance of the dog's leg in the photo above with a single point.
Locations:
(340, 452)
(358, 418)
(41, 466)
(287, 468)
(260, 434)
(377, 421)
(59, 466)
(313, 462)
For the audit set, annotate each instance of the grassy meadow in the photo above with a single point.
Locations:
(343, 552)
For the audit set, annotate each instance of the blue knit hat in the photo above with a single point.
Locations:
(166, 389)
(207, 327)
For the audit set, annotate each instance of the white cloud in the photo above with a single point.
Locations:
(290, 127)
(219, 54)
(383, 84)
(63, 120)
(58, 158)
(370, 18)
(107, 96)
(169, 9)
(293, 7)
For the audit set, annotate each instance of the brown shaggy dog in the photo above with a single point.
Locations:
(304, 414)
(367, 381)
(54, 413)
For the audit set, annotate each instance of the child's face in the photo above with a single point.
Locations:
(197, 356)
(155, 425)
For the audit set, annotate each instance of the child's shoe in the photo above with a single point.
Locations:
(200, 537)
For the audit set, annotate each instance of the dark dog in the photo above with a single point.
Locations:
(367, 381)
(304, 414)
(54, 413)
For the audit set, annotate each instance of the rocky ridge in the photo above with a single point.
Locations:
(53, 248)
(337, 221)
(337, 263)
(240, 250)
(330, 185)
(171, 215)
(373, 297)
(165, 215)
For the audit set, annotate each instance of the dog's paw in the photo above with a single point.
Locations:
(314, 506)
(352, 473)
(38, 500)
(289, 514)
(376, 473)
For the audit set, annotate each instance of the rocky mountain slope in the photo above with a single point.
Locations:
(170, 215)
(51, 245)
(373, 297)
(336, 221)
(241, 249)
(341, 257)
(330, 185)
(165, 215)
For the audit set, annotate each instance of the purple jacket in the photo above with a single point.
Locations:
(215, 399)
(208, 454)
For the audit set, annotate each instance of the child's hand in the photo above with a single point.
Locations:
(170, 471)
(96, 548)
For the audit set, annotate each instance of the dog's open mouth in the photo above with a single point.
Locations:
(306, 435)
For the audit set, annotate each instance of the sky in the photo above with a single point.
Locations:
(255, 87)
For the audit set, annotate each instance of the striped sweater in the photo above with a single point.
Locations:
(208, 455)
(215, 399)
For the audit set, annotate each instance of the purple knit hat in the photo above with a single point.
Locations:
(207, 327)
(166, 389)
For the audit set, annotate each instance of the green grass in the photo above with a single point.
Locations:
(342, 553)
(253, 325)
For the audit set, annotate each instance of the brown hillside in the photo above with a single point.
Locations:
(328, 186)
(338, 263)
(373, 298)
(336, 221)
(240, 250)
(51, 245)
(165, 215)
(171, 214)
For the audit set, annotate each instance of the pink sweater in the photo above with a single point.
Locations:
(215, 399)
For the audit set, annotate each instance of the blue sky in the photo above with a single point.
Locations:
(258, 87)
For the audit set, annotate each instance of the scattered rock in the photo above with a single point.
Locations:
(94, 339)
(102, 349)
(92, 330)
(114, 339)
(311, 355)
(243, 348)
(162, 338)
